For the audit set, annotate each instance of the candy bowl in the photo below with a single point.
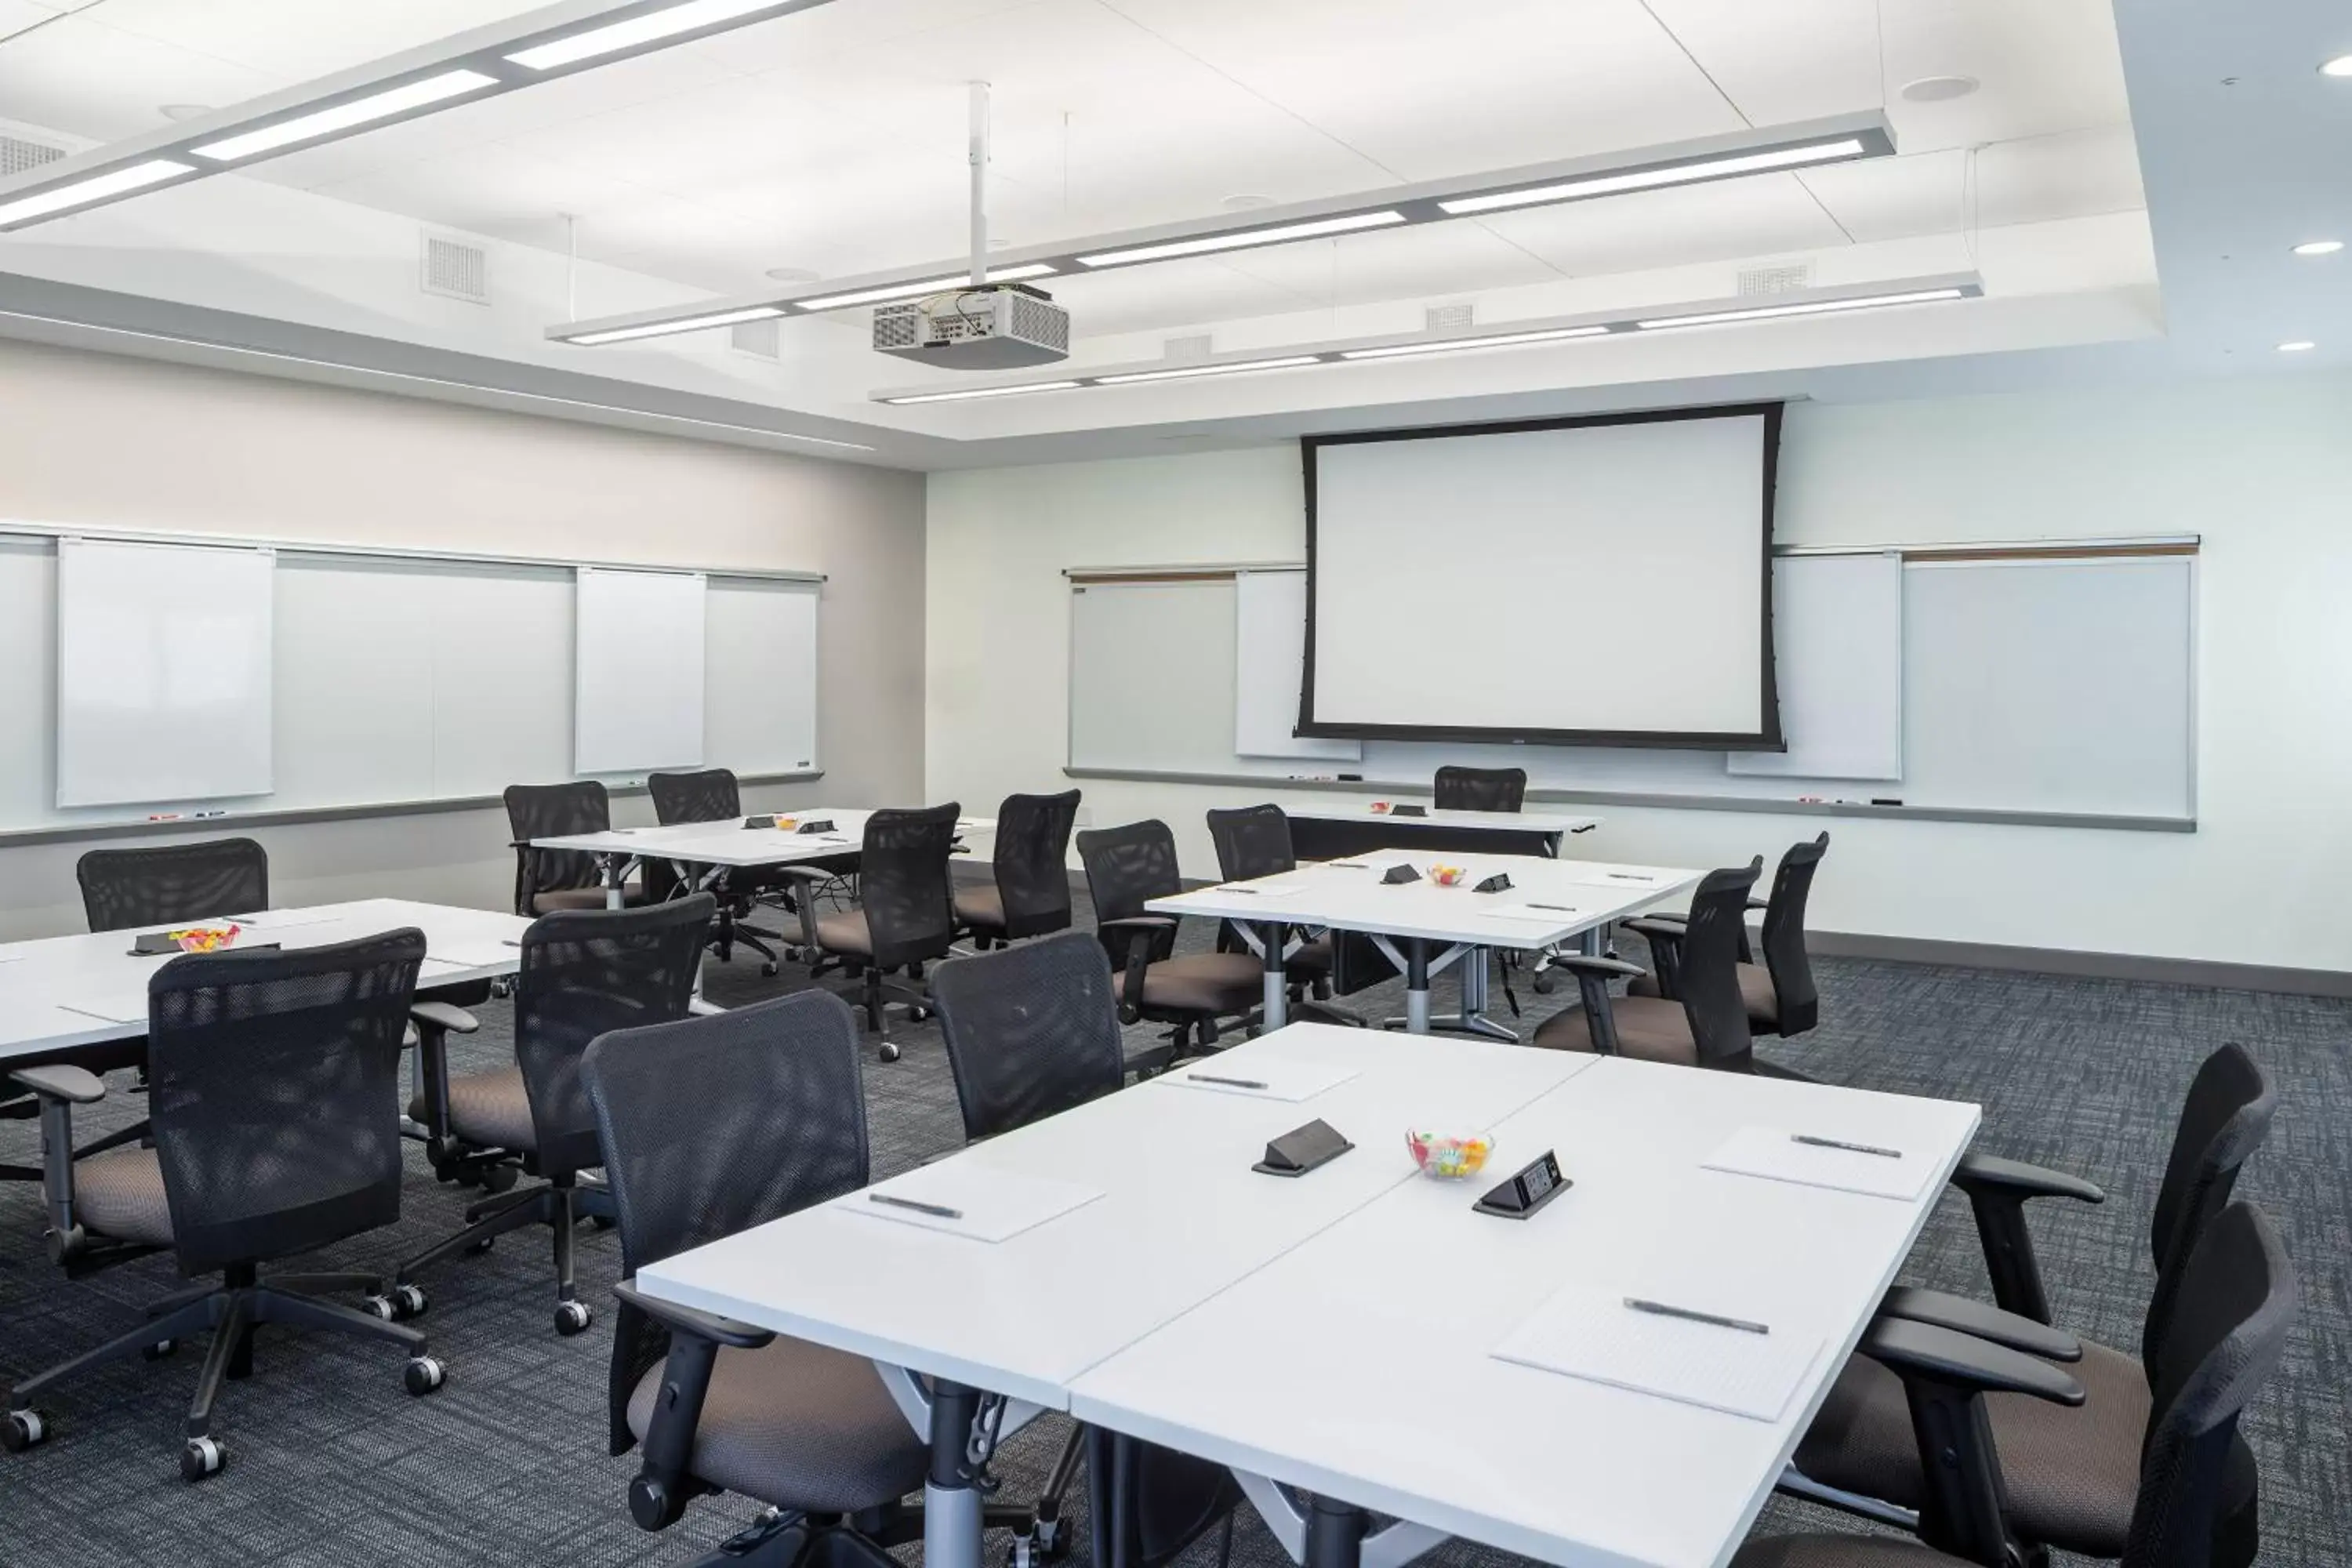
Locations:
(1448, 1157)
(1447, 876)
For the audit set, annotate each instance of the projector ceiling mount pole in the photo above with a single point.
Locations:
(979, 155)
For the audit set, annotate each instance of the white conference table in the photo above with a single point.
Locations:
(1332, 1330)
(64, 991)
(1344, 827)
(727, 844)
(1548, 902)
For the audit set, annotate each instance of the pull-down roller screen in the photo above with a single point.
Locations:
(1605, 582)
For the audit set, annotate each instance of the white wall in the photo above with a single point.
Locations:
(134, 444)
(2262, 468)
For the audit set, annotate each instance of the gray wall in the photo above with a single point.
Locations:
(128, 443)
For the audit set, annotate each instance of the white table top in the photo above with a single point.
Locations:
(729, 843)
(66, 991)
(1356, 1365)
(1350, 895)
(1495, 821)
(1182, 1216)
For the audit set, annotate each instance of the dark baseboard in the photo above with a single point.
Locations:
(2089, 966)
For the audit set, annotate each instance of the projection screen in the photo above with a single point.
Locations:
(1600, 581)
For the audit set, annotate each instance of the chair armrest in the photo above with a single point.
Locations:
(1992, 1173)
(1980, 1320)
(809, 879)
(1937, 1356)
(1665, 927)
(1140, 923)
(1998, 1191)
(701, 1325)
(1594, 973)
(60, 1081)
(1756, 903)
(1138, 931)
(444, 1017)
(1585, 964)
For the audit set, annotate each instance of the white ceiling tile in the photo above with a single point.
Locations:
(905, 26)
(15, 15)
(1766, 216)
(1893, 198)
(1790, 59)
(474, 190)
(1186, 294)
(1438, 259)
(295, 40)
(2044, 66)
(79, 75)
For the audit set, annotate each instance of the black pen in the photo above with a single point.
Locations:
(1659, 1310)
(1560, 909)
(1228, 1083)
(1633, 877)
(1250, 891)
(937, 1211)
(1350, 865)
(1811, 1142)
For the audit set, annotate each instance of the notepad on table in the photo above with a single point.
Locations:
(126, 1008)
(1539, 914)
(1594, 1335)
(476, 953)
(976, 1202)
(1268, 889)
(1780, 1154)
(287, 919)
(1260, 1078)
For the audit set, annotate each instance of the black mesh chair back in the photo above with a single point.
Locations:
(1709, 982)
(1031, 1031)
(274, 1091)
(1032, 865)
(1252, 841)
(708, 795)
(2238, 1301)
(2224, 1119)
(902, 884)
(1126, 868)
(586, 973)
(1481, 789)
(125, 888)
(554, 811)
(1799, 1005)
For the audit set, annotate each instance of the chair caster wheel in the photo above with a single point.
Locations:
(203, 1457)
(161, 1349)
(1023, 1553)
(67, 1245)
(1053, 1538)
(398, 1304)
(422, 1375)
(770, 970)
(1542, 984)
(890, 1052)
(23, 1429)
(498, 1178)
(475, 1249)
(572, 1317)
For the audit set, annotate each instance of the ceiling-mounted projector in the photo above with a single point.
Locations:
(989, 326)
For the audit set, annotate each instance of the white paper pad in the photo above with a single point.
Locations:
(1291, 1081)
(992, 1205)
(287, 920)
(481, 952)
(1260, 890)
(127, 1009)
(1594, 1335)
(1558, 915)
(1770, 1153)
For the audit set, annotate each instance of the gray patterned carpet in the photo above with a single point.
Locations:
(332, 1464)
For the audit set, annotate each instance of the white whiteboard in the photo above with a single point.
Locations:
(637, 660)
(163, 672)
(1152, 676)
(759, 675)
(1837, 638)
(1269, 659)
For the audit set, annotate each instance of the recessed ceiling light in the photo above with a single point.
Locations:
(2340, 65)
(1939, 89)
(2298, 347)
(2319, 247)
(794, 274)
(1248, 201)
(184, 111)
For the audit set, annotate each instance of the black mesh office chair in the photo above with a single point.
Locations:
(1126, 868)
(584, 973)
(1481, 789)
(1254, 841)
(2076, 1469)
(709, 1127)
(1703, 1022)
(904, 916)
(547, 881)
(711, 794)
(121, 888)
(1779, 993)
(276, 1108)
(2191, 1478)
(1029, 893)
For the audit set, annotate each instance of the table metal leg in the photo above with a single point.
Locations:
(1275, 1009)
(1474, 981)
(951, 1504)
(1329, 1533)
(614, 872)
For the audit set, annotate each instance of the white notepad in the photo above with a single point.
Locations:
(1261, 889)
(126, 1008)
(1594, 1335)
(1773, 1153)
(1284, 1081)
(287, 920)
(989, 1204)
(1554, 915)
(481, 953)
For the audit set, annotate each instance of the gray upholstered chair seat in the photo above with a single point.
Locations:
(120, 1195)
(797, 1426)
(1205, 982)
(1755, 989)
(980, 905)
(547, 900)
(1840, 1551)
(2073, 1474)
(1649, 1029)
(845, 930)
(489, 1109)
(1312, 958)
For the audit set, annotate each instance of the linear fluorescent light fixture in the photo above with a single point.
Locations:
(1234, 368)
(1278, 233)
(97, 188)
(691, 324)
(346, 116)
(968, 394)
(1696, 172)
(1801, 307)
(655, 26)
(1466, 345)
(883, 294)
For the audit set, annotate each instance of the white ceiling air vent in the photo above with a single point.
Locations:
(1197, 346)
(17, 156)
(1446, 318)
(1786, 278)
(456, 269)
(764, 339)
